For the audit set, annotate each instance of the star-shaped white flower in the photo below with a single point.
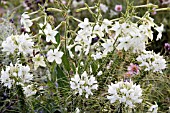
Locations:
(84, 24)
(160, 30)
(124, 43)
(50, 34)
(98, 30)
(26, 22)
(54, 55)
(38, 61)
(105, 25)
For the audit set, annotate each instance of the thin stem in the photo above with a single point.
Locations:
(147, 5)
(85, 8)
(54, 9)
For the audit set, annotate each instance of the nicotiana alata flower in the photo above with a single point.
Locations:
(125, 92)
(55, 55)
(83, 84)
(104, 8)
(125, 43)
(153, 109)
(105, 24)
(160, 30)
(26, 22)
(151, 61)
(50, 34)
(38, 61)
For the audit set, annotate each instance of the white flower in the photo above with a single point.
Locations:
(17, 74)
(54, 55)
(106, 23)
(5, 78)
(83, 84)
(113, 13)
(9, 45)
(96, 56)
(25, 44)
(108, 46)
(125, 43)
(28, 90)
(152, 61)
(85, 24)
(125, 92)
(153, 109)
(50, 34)
(98, 30)
(76, 83)
(103, 7)
(77, 110)
(23, 74)
(76, 3)
(117, 28)
(160, 30)
(26, 22)
(99, 73)
(38, 61)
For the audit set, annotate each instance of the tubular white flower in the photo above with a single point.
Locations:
(153, 109)
(105, 24)
(54, 55)
(26, 22)
(160, 30)
(50, 34)
(38, 61)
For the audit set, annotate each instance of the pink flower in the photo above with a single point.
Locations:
(133, 69)
(153, 11)
(118, 8)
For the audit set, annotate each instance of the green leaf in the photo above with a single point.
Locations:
(57, 37)
(66, 62)
(62, 79)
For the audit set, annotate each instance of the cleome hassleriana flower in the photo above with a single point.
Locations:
(83, 84)
(17, 75)
(151, 61)
(125, 92)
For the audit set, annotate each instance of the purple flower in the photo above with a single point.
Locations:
(118, 8)
(167, 46)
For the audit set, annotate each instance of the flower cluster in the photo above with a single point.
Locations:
(152, 61)
(90, 39)
(135, 37)
(125, 92)
(22, 43)
(84, 83)
(16, 75)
